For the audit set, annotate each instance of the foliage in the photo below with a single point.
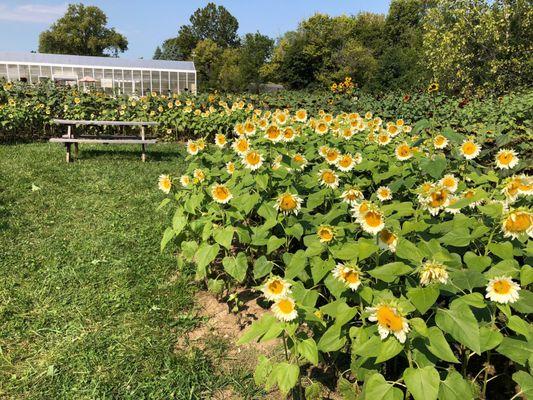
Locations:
(255, 51)
(376, 241)
(82, 31)
(474, 45)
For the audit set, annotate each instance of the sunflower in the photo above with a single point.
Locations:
(300, 116)
(451, 201)
(438, 198)
(349, 274)
(390, 321)
(241, 145)
(328, 178)
(263, 124)
(387, 240)
(332, 155)
(372, 221)
(281, 118)
(252, 160)
(347, 133)
(345, 163)
(351, 196)
(325, 233)
(220, 140)
(433, 272)
(230, 167)
(300, 161)
(368, 115)
(185, 180)
(516, 186)
(221, 194)
(506, 159)
(433, 87)
(321, 128)
(164, 183)
(239, 129)
(403, 152)
(285, 309)
(199, 175)
(192, 148)
(384, 193)
(249, 128)
(273, 133)
(470, 149)
(393, 130)
(503, 290)
(518, 223)
(450, 182)
(440, 142)
(289, 134)
(288, 203)
(276, 288)
(384, 138)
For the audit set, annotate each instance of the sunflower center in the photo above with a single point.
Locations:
(519, 222)
(325, 234)
(345, 162)
(275, 286)
(242, 145)
(505, 158)
(373, 219)
(328, 177)
(351, 276)
(502, 287)
(438, 198)
(469, 148)
(332, 155)
(221, 192)
(387, 317)
(404, 151)
(286, 306)
(288, 202)
(439, 140)
(386, 236)
(253, 158)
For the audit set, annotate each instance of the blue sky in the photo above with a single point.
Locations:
(147, 23)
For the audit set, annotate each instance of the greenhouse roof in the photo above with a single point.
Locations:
(90, 61)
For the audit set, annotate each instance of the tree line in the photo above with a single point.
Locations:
(466, 46)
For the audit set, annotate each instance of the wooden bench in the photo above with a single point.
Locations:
(71, 138)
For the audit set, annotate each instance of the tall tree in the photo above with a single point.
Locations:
(82, 31)
(157, 53)
(210, 22)
(255, 51)
(207, 59)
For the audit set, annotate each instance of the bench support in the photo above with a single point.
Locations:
(143, 154)
(76, 150)
(69, 156)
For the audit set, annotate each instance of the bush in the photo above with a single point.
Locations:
(396, 256)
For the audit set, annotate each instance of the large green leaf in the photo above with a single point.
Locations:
(285, 375)
(516, 349)
(274, 243)
(205, 254)
(458, 237)
(224, 236)
(422, 383)
(423, 297)
(236, 267)
(262, 267)
(408, 251)
(168, 235)
(525, 381)
(454, 387)
(376, 387)
(389, 272)
(438, 345)
(461, 324)
(331, 340)
(309, 350)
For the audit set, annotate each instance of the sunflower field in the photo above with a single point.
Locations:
(395, 258)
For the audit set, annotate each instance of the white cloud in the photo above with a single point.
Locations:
(36, 13)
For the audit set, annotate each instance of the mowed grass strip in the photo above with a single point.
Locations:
(89, 308)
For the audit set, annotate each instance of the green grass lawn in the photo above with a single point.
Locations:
(89, 308)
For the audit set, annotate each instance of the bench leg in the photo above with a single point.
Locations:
(69, 156)
(76, 150)
(143, 155)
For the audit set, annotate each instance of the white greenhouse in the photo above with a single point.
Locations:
(116, 75)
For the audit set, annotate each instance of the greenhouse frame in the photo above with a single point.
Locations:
(110, 74)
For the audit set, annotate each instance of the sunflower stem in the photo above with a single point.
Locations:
(485, 376)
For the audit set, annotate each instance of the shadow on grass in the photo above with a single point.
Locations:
(129, 154)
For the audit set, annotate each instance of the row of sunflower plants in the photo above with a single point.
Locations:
(395, 256)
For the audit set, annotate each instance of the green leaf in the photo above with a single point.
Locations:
(274, 243)
(516, 349)
(179, 221)
(262, 267)
(257, 329)
(473, 299)
(236, 267)
(503, 250)
(489, 338)
(376, 387)
(454, 387)
(520, 326)
(365, 248)
(204, 256)
(423, 297)
(408, 251)
(215, 285)
(438, 345)
(309, 350)
(525, 381)
(168, 235)
(224, 236)
(526, 275)
(434, 167)
(461, 324)
(422, 383)
(331, 340)
(475, 262)
(295, 230)
(389, 272)
(348, 251)
(468, 279)
(458, 237)
(389, 348)
(320, 268)
(296, 265)
(286, 376)
(262, 370)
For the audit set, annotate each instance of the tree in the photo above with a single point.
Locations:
(210, 22)
(207, 59)
(158, 53)
(82, 31)
(255, 51)
(230, 78)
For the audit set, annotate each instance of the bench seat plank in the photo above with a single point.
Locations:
(104, 123)
(103, 140)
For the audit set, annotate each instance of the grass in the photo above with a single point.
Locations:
(89, 308)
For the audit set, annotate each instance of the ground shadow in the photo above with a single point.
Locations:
(130, 154)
